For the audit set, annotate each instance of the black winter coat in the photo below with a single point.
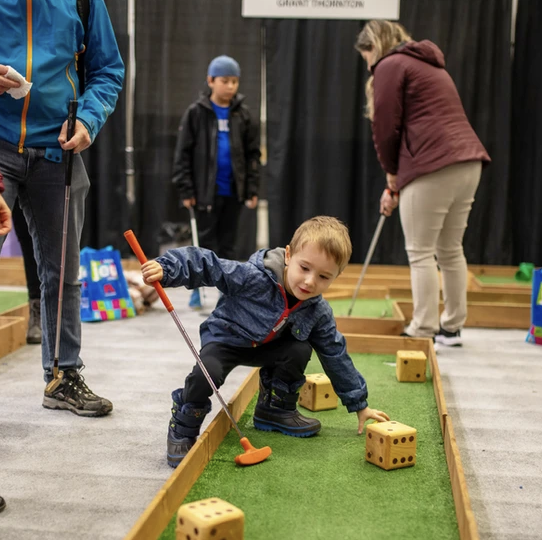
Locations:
(194, 164)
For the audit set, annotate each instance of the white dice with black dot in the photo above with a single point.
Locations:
(317, 393)
(210, 519)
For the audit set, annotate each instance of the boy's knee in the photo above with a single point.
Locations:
(301, 350)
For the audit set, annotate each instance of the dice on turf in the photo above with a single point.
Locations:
(410, 366)
(210, 519)
(317, 393)
(390, 445)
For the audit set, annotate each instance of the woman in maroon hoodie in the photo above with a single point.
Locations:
(433, 158)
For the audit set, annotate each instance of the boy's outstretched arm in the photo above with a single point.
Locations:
(367, 414)
(152, 271)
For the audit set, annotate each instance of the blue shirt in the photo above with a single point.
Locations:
(224, 171)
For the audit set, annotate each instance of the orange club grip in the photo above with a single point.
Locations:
(136, 248)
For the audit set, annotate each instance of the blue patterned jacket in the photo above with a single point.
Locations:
(253, 310)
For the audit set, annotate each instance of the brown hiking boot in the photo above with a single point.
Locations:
(71, 393)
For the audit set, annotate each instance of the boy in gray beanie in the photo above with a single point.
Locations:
(217, 160)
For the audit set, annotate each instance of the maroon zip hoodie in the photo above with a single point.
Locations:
(419, 123)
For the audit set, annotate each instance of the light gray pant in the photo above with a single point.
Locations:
(434, 210)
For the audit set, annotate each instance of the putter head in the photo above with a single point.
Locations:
(252, 456)
(55, 382)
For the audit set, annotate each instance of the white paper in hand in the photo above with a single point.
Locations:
(20, 92)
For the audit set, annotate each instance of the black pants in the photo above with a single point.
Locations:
(217, 230)
(285, 358)
(30, 266)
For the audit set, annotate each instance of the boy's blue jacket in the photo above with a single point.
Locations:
(253, 304)
(47, 57)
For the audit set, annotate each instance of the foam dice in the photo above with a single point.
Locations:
(410, 366)
(317, 393)
(390, 445)
(210, 519)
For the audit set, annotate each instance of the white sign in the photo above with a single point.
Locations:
(322, 9)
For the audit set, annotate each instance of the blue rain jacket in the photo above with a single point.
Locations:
(254, 309)
(42, 39)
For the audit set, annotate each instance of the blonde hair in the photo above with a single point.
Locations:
(329, 234)
(381, 37)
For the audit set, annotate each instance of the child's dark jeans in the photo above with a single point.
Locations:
(285, 359)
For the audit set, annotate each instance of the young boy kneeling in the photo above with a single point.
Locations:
(271, 314)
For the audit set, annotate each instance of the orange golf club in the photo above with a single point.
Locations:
(252, 455)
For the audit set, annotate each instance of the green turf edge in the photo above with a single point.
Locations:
(502, 280)
(359, 500)
(11, 299)
(363, 307)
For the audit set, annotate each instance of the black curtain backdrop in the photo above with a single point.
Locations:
(320, 152)
(526, 141)
(175, 41)
(107, 212)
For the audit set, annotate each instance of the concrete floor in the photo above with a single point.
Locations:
(66, 477)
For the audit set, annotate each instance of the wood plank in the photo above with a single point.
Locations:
(501, 296)
(486, 314)
(156, 516)
(338, 291)
(392, 269)
(12, 334)
(370, 344)
(437, 389)
(465, 516)
(492, 270)
(370, 325)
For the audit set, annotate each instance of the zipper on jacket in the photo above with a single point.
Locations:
(283, 319)
(70, 80)
(28, 72)
(77, 54)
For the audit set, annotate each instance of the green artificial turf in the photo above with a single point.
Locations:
(322, 487)
(502, 280)
(11, 299)
(363, 307)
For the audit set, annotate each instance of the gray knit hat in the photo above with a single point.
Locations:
(223, 66)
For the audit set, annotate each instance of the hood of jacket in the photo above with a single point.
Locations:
(425, 50)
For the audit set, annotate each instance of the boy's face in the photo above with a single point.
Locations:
(309, 272)
(223, 89)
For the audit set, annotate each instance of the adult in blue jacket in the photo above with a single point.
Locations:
(42, 41)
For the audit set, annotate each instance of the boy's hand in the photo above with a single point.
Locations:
(152, 271)
(187, 203)
(368, 414)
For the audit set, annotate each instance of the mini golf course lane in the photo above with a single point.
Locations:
(322, 488)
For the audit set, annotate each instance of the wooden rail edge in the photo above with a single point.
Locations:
(156, 516)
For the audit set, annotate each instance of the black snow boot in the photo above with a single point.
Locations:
(184, 427)
(276, 411)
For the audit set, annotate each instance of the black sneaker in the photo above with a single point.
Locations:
(72, 394)
(450, 339)
(177, 448)
(2, 504)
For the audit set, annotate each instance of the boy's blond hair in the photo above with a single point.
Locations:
(329, 234)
